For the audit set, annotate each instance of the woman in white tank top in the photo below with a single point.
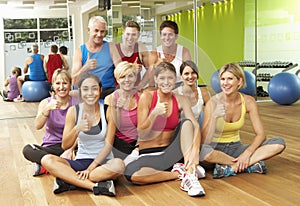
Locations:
(198, 96)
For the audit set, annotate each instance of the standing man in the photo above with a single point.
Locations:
(35, 65)
(169, 51)
(135, 52)
(97, 56)
(54, 61)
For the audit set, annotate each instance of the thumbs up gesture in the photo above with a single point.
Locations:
(138, 66)
(90, 63)
(219, 105)
(53, 104)
(161, 107)
(84, 125)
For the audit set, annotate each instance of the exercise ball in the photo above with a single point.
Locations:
(284, 88)
(249, 89)
(35, 91)
(215, 83)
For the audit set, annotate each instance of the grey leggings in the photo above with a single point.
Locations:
(234, 149)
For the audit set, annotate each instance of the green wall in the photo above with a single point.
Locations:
(220, 35)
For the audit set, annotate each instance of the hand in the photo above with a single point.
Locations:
(138, 66)
(122, 101)
(53, 104)
(161, 108)
(220, 109)
(242, 162)
(90, 63)
(83, 125)
(83, 174)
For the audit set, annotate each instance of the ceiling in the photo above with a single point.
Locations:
(61, 4)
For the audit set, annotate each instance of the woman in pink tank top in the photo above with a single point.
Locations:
(123, 108)
(168, 145)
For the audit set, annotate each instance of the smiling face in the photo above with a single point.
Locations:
(90, 91)
(61, 86)
(97, 32)
(229, 82)
(127, 81)
(130, 36)
(168, 36)
(165, 81)
(189, 76)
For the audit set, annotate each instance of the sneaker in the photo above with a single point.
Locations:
(200, 172)
(259, 167)
(61, 186)
(191, 185)
(38, 170)
(222, 171)
(180, 169)
(105, 188)
(19, 99)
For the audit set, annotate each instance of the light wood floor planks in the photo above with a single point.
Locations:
(281, 186)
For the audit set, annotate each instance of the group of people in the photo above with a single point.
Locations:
(37, 68)
(116, 121)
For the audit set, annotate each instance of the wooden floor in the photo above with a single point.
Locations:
(281, 186)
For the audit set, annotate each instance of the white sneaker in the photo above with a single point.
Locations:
(200, 172)
(191, 185)
(180, 169)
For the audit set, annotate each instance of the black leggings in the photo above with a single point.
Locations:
(162, 158)
(35, 153)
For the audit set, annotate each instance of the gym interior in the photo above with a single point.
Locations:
(262, 36)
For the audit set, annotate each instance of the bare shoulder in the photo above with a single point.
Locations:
(249, 102)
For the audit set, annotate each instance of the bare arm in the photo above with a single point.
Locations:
(6, 82)
(116, 58)
(45, 65)
(186, 54)
(213, 110)
(64, 62)
(146, 118)
(71, 131)
(193, 154)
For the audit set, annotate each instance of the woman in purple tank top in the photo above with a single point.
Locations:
(51, 114)
(11, 82)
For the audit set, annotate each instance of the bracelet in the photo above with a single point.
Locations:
(44, 115)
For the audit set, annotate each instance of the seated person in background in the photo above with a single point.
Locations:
(35, 65)
(54, 61)
(94, 166)
(11, 82)
(135, 52)
(123, 109)
(169, 50)
(52, 114)
(198, 96)
(224, 116)
(165, 140)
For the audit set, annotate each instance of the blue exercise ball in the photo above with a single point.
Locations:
(215, 83)
(284, 88)
(249, 89)
(35, 91)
